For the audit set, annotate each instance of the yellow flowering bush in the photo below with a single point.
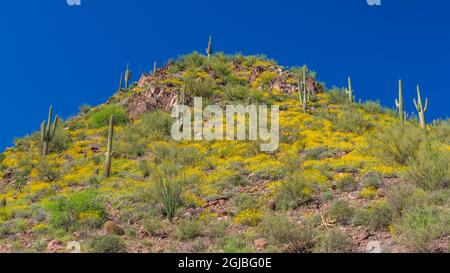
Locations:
(248, 217)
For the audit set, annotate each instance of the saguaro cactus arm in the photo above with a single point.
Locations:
(121, 82)
(127, 75)
(399, 102)
(420, 108)
(109, 152)
(209, 49)
(303, 92)
(48, 131)
(349, 90)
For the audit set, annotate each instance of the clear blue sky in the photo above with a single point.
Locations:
(52, 53)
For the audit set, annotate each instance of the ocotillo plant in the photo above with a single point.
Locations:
(154, 68)
(48, 131)
(109, 151)
(209, 49)
(302, 92)
(399, 103)
(420, 108)
(121, 82)
(127, 76)
(349, 90)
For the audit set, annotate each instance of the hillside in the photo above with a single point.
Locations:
(347, 176)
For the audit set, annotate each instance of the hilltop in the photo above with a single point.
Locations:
(348, 176)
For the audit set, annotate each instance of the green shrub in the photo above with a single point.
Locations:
(376, 217)
(282, 231)
(193, 61)
(372, 179)
(81, 208)
(12, 227)
(440, 130)
(337, 96)
(200, 87)
(235, 93)
(217, 229)
(99, 117)
(396, 144)
(346, 183)
(245, 201)
(48, 171)
(351, 120)
(318, 153)
(134, 139)
(340, 211)
(334, 241)
(235, 244)
(372, 107)
(60, 142)
(189, 229)
(108, 244)
(430, 169)
(295, 191)
(178, 155)
(167, 191)
(84, 109)
(421, 226)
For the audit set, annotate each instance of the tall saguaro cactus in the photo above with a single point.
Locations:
(420, 108)
(399, 103)
(48, 131)
(127, 76)
(109, 151)
(302, 92)
(121, 82)
(209, 49)
(349, 90)
(154, 68)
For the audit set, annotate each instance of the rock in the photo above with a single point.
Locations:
(253, 177)
(260, 243)
(373, 247)
(353, 196)
(3, 203)
(95, 147)
(271, 204)
(73, 247)
(112, 228)
(55, 245)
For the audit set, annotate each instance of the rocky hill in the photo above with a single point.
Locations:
(348, 176)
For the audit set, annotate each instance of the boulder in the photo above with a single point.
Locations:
(373, 247)
(112, 228)
(55, 245)
(272, 204)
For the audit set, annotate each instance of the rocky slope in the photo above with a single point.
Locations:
(347, 177)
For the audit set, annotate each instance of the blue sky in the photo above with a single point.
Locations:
(53, 53)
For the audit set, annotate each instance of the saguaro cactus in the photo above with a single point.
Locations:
(154, 68)
(209, 49)
(121, 82)
(48, 131)
(420, 108)
(399, 103)
(302, 92)
(109, 151)
(349, 90)
(127, 76)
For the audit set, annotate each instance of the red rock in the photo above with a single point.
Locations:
(260, 243)
(55, 245)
